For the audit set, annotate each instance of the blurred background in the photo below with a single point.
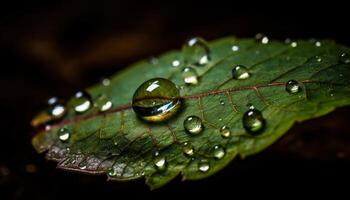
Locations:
(52, 48)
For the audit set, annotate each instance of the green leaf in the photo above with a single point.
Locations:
(118, 143)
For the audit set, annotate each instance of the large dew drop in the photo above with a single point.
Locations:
(253, 121)
(82, 102)
(103, 103)
(193, 125)
(196, 52)
(240, 72)
(156, 100)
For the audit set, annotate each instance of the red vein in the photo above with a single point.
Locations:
(188, 97)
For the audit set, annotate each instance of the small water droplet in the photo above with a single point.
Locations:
(82, 102)
(56, 108)
(203, 165)
(253, 121)
(159, 161)
(47, 127)
(83, 165)
(219, 152)
(235, 48)
(318, 44)
(344, 58)
(293, 44)
(106, 82)
(111, 172)
(156, 100)
(293, 86)
(261, 38)
(196, 52)
(103, 103)
(318, 58)
(287, 40)
(188, 149)
(175, 63)
(153, 60)
(190, 76)
(222, 102)
(225, 131)
(193, 125)
(240, 72)
(63, 134)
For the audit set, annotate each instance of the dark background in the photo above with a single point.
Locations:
(58, 47)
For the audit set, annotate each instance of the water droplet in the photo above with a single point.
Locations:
(261, 38)
(106, 82)
(222, 102)
(190, 76)
(318, 44)
(159, 161)
(82, 165)
(287, 40)
(193, 125)
(111, 172)
(235, 48)
(153, 60)
(203, 165)
(293, 86)
(196, 51)
(294, 44)
(82, 102)
(253, 121)
(344, 58)
(219, 152)
(63, 134)
(156, 100)
(318, 58)
(188, 149)
(225, 131)
(240, 72)
(103, 103)
(175, 63)
(56, 109)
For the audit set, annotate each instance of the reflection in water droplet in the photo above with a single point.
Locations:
(235, 48)
(63, 134)
(82, 102)
(103, 103)
(190, 76)
(159, 161)
(156, 100)
(293, 86)
(188, 149)
(225, 131)
(253, 121)
(240, 72)
(344, 58)
(203, 165)
(193, 125)
(175, 63)
(196, 52)
(219, 152)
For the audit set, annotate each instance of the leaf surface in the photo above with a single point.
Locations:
(118, 143)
